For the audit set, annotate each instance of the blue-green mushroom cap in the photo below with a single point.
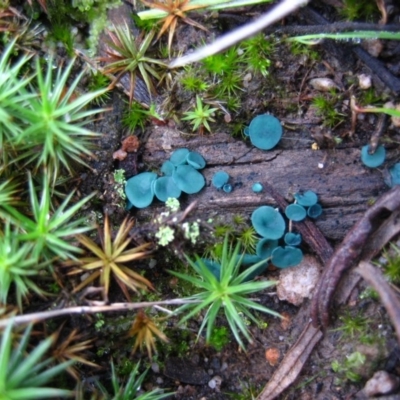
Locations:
(373, 160)
(227, 188)
(196, 160)
(295, 212)
(393, 177)
(249, 261)
(265, 247)
(284, 257)
(265, 131)
(167, 168)
(165, 187)
(292, 239)
(307, 198)
(213, 266)
(139, 190)
(257, 187)
(268, 222)
(178, 157)
(188, 179)
(314, 211)
(219, 179)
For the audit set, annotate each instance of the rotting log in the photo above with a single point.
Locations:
(344, 185)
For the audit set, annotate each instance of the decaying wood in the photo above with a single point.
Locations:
(343, 185)
(387, 295)
(350, 251)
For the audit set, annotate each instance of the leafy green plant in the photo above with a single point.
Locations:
(224, 63)
(12, 94)
(326, 107)
(200, 116)
(17, 267)
(357, 36)
(352, 10)
(22, 374)
(353, 325)
(349, 368)
(392, 265)
(52, 133)
(228, 293)
(130, 389)
(192, 80)
(48, 232)
(136, 115)
(128, 55)
(257, 52)
(219, 338)
(108, 259)
(98, 81)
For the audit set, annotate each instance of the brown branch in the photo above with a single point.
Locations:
(40, 316)
(349, 253)
(388, 297)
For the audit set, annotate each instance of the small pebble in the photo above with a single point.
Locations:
(323, 84)
(215, 383)
(155, 368)
(381, 383)
(364, 81)
(159, 380)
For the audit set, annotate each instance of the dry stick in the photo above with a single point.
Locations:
(388, 297)
(335, 27)
(349, 253)
(275, 14)
(380, 238)
(40, 316)
(292, 364)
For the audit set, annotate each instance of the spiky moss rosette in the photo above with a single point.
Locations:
(265, 131)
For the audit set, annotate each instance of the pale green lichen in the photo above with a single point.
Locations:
(173, 204)
(191, 231)
(120, 181)
(165, 235)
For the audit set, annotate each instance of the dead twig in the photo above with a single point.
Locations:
(292, 364)
(349, 253)
(40, 316)
(387, 295)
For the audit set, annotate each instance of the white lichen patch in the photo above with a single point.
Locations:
(297, 283)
